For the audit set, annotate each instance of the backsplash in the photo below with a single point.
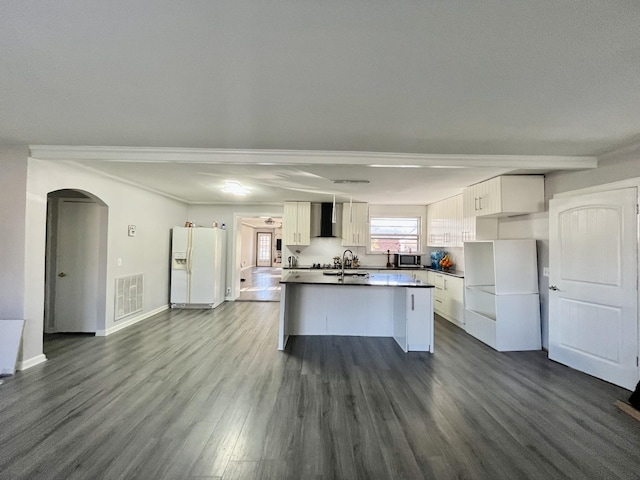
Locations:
(456, 254)
(322, 251)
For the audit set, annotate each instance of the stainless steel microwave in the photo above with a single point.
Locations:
(407, 260)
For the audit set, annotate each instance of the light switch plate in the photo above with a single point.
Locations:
(545, 271)
(132, 230)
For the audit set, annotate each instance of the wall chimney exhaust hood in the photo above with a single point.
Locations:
(321, 225)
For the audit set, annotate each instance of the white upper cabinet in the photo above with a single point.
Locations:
(444, 223)
(504, 196)
(447, 227)
(355, 224)
(296, 224)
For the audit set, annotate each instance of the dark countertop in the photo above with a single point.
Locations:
(370, 280)
(453, 272)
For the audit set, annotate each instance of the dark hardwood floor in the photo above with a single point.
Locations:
(205, 394)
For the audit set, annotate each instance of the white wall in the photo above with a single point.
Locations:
(619, 166)
(230, 215)
(13, 182)
(147, 252)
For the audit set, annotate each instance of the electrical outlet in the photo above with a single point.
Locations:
(545, 271)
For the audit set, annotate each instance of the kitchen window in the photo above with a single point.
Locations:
(397, 234)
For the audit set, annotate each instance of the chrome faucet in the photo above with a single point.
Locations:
(344, 254)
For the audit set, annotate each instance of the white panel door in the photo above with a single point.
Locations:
(593, 319)
(76, 284)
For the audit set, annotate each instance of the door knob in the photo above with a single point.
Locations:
(62, 274)
(554, 288)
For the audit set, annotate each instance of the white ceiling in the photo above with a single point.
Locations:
(550, 78)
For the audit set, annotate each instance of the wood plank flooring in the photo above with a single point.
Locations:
(205, 394)
(260, 284)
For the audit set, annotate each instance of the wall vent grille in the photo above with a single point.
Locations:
(129, 295)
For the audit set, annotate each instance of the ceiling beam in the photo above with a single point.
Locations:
(308, 157)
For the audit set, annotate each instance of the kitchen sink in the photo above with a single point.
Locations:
(346, 274)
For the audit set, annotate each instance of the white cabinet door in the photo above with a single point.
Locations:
(304, 223)
(419, 319)
(296, 224)
(454, 298)
(489, 198)
(422, 275)
(435, 229)
(355, 224)
(439, 294)
(290, 223)
(470, 201)
(505, 195)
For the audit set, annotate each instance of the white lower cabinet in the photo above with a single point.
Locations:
(419, 314)
(448, 297)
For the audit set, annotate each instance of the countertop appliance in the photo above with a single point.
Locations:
(197, 267)
(407, 260)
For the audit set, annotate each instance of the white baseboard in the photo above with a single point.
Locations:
(127, 323)
(31, 362)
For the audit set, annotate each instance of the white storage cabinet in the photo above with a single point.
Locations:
(448, 296)
(502, 306)
(296, 224)
(448, 227)
(504, 196)
(355, 224)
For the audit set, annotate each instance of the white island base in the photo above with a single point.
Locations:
(404, 313)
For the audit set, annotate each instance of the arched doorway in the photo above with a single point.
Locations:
(75, 262)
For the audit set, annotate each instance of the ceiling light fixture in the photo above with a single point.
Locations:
(269, 221)
(395, 166)
(235, 188)
(351, 181)
(333, 211)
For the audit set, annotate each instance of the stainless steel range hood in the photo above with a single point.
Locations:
(321, 225)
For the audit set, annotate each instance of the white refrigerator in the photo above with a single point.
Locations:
(197, 267)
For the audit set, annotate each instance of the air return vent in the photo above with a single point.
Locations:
(129, 295)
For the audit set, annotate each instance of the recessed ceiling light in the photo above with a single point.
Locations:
(351, 181)
(235, 188)
(447, 166)
(396, 166)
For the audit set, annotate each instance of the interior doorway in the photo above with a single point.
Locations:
(260, 258)
(75, 263)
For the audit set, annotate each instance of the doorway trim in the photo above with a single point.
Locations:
(51, 253)
(236, 250)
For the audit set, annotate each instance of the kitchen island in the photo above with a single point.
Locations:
(358, 304)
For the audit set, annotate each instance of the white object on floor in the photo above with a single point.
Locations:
(10, 335)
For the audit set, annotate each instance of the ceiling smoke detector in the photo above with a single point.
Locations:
(351, 181)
